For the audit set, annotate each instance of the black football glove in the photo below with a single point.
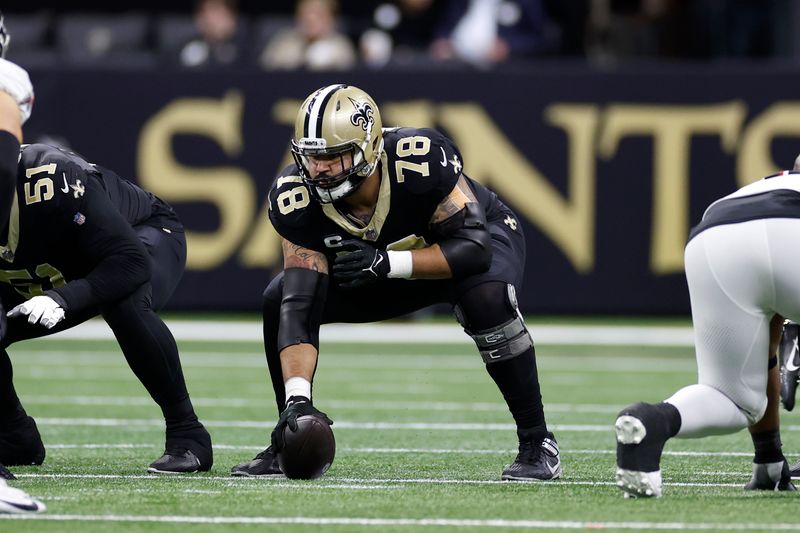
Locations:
(365, 264)
(298, 406)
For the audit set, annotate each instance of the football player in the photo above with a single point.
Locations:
(377, 223)
(77, 241)
(742, 283)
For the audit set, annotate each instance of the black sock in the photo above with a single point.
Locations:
(672, 418)
(180, 418)
(518, 380)
(767, 445)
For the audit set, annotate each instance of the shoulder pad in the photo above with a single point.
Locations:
(423, 160)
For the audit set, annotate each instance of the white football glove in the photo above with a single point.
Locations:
(15, 81)
(41, 309)
(16, 501)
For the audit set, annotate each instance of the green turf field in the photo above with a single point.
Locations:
(422, 436)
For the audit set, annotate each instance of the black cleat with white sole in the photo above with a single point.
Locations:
(265, 464)
(185, 455)
(536, 461)
(641, 430)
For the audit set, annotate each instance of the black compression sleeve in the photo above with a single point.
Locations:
(304, 293)
(466, 243)
(9, 155)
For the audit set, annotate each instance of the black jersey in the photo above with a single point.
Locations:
(419, 168)
(71, 230)
(776, 196)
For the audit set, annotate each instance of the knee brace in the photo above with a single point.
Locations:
(504, 341)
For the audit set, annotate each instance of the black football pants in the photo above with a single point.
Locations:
(147, 343)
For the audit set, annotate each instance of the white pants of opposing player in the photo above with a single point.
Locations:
(739, 276)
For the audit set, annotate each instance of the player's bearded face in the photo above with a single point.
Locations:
(321, 167)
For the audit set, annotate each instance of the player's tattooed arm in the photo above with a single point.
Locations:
(296, 256)
(454, 202)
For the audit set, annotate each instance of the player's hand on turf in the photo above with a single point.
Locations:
(41, 309)
(363, 265)
(297, 406)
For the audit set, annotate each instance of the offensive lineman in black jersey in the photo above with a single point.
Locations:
(387, 216)
(81, 241)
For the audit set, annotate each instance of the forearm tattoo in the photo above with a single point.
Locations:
(296, 256)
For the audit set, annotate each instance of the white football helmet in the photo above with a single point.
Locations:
(333, 121)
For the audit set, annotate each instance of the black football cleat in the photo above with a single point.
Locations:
(5, 474)
(536, 461)
(789, 355)
(265, 464)
(21, 444)
(641, 434)
(771, 476)
(185, 455)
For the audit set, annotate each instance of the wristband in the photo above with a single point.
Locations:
(401, 264)
(297, 386)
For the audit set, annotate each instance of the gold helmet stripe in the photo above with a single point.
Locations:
(316, 110)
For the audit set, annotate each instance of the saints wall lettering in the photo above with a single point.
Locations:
(567, 219)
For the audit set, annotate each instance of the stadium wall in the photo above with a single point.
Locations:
(607, 170)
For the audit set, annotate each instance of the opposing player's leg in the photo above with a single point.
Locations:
(770, 469)
(733, 300)
(152, 354)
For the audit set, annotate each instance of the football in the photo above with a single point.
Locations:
(308, 452)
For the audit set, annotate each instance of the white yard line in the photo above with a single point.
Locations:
(445, 426)
(343, 424)
(410, 522)
(128, 401)
(413, 332)
(334, 481)
(566, 451)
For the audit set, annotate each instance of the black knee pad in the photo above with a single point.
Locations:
(507, 339)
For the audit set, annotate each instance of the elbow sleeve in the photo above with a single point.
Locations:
(465, 241)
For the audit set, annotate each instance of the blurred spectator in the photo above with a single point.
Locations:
(402, 31)
(484, 32)
(742, 28)
(620, 29)
(313, 43)
(220, 39)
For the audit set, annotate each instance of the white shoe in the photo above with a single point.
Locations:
(16, 501)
